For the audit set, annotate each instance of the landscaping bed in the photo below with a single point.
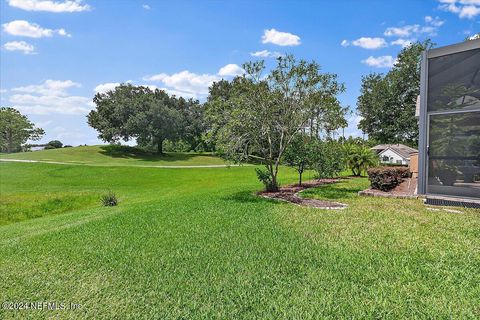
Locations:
(290, 193)
(404, 190)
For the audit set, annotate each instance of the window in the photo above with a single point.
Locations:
(399, 161)
(385, 159)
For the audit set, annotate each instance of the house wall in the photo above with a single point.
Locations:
(393, 157)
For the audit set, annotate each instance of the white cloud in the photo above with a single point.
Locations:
(49, 87)
(474, 37)
(146, 6)
(431, 26)
(231, 70)
(266, 54)
(366, 43)
(31, 104)
(50, 97)
(185, 82)
(463, 8)
(104, 87)
(434, 21)
(32, 30)
(22, 46)
(280, 38)
(380, 62)
(49, 5)
(404, 31)
(402, 42)
(67, 134)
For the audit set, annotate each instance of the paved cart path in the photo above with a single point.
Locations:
(124, 165)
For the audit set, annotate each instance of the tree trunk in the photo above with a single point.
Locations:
(273, 174)
(300, 172)
(160, 146)
(9, 141)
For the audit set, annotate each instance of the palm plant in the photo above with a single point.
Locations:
(359, 158)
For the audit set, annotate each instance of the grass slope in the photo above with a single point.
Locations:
(113, 155)
(197, 243)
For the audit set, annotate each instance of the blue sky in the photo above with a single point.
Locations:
(56, 53)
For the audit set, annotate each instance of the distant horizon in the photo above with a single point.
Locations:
(55, 55)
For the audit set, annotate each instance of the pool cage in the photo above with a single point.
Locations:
(449, 123)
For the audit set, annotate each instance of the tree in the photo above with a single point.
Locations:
(261, 115)
(387, 103)
(328, 159)
(150, 116)
(359, 158)
(300, 154)
(16, 129)
(55, 143)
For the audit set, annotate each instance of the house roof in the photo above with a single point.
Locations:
(401, 149)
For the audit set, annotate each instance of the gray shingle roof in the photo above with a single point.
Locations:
(401, 149)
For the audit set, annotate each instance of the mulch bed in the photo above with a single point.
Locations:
(290, 194)
(405, 190)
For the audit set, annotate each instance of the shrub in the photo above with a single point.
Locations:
(109, 199)
(387, 178)
(55, 144)
(328, 161)
(359, 158)
(266, 178)
(47, 147)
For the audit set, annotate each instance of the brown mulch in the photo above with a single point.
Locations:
(404, 190)
(290, 194)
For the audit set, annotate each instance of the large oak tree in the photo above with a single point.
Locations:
(149, 116)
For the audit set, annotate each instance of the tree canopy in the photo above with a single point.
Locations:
(16, 129)
(149, 116)
(387, 102)
(261, 114)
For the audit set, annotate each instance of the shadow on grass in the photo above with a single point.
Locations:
(334, 191)
(127, 152)
(246, 197)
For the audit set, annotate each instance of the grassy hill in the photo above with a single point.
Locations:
(113, 155)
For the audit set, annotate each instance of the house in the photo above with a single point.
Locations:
(449, 125)
(394, 153)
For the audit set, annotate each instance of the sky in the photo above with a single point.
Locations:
(56, 54)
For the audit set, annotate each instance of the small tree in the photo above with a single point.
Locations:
(359, 158)
(261, 115)
(16, 129)
(55, 143)
(328, 159)
(300, 154)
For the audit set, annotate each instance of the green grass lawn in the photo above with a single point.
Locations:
(112, 155)
(196, 243)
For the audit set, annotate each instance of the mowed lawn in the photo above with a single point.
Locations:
(113, 155)
(198, 244)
